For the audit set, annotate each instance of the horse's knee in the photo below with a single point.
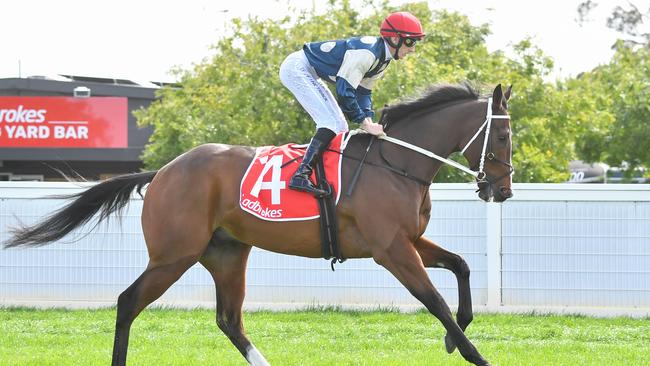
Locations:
(463, 268)
(456, 264)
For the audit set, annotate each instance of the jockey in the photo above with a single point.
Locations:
(354, 65)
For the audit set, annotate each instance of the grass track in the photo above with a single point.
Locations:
(330, 337)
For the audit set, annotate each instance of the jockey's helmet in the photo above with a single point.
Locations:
(402, 24)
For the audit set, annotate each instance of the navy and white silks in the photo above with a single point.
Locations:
(353, 64)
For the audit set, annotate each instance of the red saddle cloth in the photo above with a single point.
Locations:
(264, 190)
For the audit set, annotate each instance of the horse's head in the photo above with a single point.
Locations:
(491, 155)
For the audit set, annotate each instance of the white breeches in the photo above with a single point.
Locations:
(301, 79)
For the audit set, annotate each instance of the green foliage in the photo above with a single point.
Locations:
(621, 123)
(236, 97)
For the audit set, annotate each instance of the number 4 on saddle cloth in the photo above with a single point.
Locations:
(264, 190)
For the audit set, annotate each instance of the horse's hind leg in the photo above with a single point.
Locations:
(403, 261)
(175, 244)
(151, 284)
(226, 260)
(434, 256)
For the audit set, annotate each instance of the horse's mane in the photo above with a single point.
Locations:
(434, 96)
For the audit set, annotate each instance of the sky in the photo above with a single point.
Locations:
(142, 40)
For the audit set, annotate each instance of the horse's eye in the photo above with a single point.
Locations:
(502, 138)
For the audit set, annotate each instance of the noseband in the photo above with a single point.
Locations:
(491, 156)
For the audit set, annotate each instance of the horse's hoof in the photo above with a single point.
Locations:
(449, 344)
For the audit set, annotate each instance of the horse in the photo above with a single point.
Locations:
(191, 213)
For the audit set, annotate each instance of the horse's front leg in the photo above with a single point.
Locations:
(434, 256)
(402, 260)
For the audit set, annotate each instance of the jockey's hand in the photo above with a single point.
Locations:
(372, 128)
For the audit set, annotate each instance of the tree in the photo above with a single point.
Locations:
(236, 96)
(619, 128)
(622, 130)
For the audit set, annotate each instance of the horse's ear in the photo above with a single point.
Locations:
(497, 98)
(506, 97)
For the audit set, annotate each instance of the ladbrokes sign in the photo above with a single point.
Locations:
(98, 122)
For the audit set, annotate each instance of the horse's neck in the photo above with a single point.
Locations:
(440, 132)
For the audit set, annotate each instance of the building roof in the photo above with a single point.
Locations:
(65, 84)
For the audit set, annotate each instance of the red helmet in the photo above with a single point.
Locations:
(401, 24)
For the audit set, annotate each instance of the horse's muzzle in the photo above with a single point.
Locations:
(503, 194)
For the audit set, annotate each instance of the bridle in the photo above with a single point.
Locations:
(481, 176)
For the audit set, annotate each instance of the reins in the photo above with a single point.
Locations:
(478, 174)
(401, 173)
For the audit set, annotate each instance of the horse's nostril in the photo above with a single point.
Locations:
(506, 192)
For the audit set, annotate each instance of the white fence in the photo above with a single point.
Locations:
(551, 248)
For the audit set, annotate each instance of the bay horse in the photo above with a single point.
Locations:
(191, 213)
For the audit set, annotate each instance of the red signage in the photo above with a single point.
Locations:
(96, 122)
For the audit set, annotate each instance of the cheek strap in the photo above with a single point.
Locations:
(396, 46)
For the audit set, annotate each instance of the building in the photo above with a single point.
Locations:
(82, 126)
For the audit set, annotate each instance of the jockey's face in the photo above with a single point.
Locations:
(404, 50)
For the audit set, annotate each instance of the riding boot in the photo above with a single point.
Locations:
(300, 180)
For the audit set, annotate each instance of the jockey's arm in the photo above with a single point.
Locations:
(365, 102)
(355, 101)
(355, 104)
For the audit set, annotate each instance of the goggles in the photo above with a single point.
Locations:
(410, 42)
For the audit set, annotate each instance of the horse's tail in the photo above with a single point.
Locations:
(106, 197)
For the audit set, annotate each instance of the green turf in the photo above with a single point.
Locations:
(328, 337)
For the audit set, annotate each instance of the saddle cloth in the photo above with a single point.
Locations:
(264, 189)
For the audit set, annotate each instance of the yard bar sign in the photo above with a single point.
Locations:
(96, 122)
